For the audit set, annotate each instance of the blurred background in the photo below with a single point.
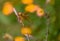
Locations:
(9, 24)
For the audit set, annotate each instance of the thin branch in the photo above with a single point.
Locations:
(47, 28)
(47, 21)
(17, 14)
(27, 36)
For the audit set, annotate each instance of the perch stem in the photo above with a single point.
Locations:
(16, 13)
(27, 36)
(48, 20)
(47, 29)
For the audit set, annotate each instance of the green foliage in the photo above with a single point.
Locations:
(10, 24)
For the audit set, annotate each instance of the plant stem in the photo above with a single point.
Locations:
(27, 36)
(47, 28)
(19, 20)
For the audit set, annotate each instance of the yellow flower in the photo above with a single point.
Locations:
(26, 30)
(40, 12)
(30, 8)
(7, 8)
(27, 1)
(19, 39)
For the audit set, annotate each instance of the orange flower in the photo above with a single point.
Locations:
(7, 8)
(27, 1)
(26, 30)
(40, 12)
(30, 8)
(19, 39)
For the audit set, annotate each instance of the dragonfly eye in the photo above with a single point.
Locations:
(19, 14)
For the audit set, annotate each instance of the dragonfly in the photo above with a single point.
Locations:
(21, 17)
